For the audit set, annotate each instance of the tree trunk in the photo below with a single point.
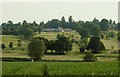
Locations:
(51, 51)
(32, 60)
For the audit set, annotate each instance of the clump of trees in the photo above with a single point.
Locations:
(27, 30)
(61, 45)
(85, 29)
(39, 45)
(110, 35)
(36, 49)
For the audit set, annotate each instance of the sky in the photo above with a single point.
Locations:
(44, 11)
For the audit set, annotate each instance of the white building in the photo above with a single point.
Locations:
(59, 29)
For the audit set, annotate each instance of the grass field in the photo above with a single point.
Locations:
(61, 68)
(72, 55)
(107, 63)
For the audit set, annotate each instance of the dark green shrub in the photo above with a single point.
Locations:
(19, 43)
(82, 48)
(3, 46)
(10, 44)
(89, 57)
(95, 45)
(118, 36)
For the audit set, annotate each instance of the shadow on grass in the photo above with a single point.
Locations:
(55, 53)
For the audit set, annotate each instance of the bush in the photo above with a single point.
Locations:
(19, 43)
(10, 44)
(2, 46)
(89, 57)
(82, 48)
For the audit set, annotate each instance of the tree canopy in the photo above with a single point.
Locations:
(85, 28)
(36, 49)
(95, 45)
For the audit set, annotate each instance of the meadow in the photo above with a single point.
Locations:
(74, 54)
(107, 63)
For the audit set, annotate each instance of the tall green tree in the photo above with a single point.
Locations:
(104, 24)
(34, 26)
(40, 27)
(63, 23)
(26, 31)
(96, 21)
(84, 32)
(36, 49)
(45, 40)
(95, 45)
(70, 22)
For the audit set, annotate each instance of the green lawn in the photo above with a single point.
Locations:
(61, 68)
(109, 43)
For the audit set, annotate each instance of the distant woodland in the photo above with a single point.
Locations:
(85, 28)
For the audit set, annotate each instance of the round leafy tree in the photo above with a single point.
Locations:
(63, 44)
(10, 44)
(36, 49)
(95, 45)
(46, 42)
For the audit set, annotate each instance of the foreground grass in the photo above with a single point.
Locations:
(61, 68)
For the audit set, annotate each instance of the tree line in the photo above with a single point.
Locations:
(86, 29)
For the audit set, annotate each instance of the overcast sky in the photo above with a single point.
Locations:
(44, 11)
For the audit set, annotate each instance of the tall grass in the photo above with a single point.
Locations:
(61, 68)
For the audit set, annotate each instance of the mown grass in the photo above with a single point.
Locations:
(61, 68)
